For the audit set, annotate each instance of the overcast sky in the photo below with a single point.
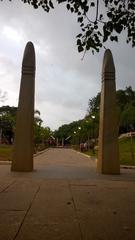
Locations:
(64, 83)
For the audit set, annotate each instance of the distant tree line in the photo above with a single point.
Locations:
(86, 129)
(125, 107)
(83, 130)
(8, 125)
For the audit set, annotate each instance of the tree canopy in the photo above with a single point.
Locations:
(7, 122)
(99, 21)
(8, 125)
(126, 108)
(87, 128)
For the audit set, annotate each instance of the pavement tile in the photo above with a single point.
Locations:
(52, 214)
(104, 210)
(50, 231)
(18, 196)
(65, 199)
(10, 222)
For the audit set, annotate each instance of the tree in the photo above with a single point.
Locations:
(87, 128)
(121, 99)
(78, 131)
(130, 94)
(7, 123)
(67, 130)
(127, 119)
(41, 134)
(99, 21)
(93, 105)
(126, 108)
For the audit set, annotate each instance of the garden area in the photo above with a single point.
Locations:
(6, 152)
(126, 151)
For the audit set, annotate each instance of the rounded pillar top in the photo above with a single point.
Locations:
(108, 63)
(29, 55)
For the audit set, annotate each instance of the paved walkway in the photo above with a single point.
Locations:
(65, 199)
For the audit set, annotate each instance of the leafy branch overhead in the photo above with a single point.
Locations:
(99, 21)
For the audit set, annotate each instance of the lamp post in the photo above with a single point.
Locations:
(79, 128)
(93, 118)
(89, 127)
(74, 137)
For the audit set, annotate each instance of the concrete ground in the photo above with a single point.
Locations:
(65, 199)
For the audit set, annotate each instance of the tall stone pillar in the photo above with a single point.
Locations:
(108, 154)
(24, 144)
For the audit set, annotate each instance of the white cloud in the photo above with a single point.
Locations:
(12, 34)
(64, 83)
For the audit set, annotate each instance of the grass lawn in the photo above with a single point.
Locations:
(5, 152)
(126, 151)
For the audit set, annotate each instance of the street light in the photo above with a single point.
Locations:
(76, 134)
(79, 128)
(93, 117)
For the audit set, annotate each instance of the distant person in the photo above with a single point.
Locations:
(85, 146)
(81, 147)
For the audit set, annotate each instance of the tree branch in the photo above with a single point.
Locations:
(97, 10)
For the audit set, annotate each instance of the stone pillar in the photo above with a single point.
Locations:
(108, 154)
(24, 144)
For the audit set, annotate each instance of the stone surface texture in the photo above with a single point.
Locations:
(108, 154)
(23, 145)
(64, 198)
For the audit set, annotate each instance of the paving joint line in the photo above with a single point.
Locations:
(75, 209)
(4, 190)
(27, 211)
(40, 152)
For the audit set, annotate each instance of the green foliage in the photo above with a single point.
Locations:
(41, 134)
(127, 151)
(126, 105)
(4, 110)
(126, 108)
(127, 118)
(112, 17)
(85, 129)
(6, 152)
(93, 104)
(67, 129)
(79, 131)
(7, 122)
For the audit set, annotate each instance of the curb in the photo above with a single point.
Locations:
(127, 167)
(5, 162)
(38, 153)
